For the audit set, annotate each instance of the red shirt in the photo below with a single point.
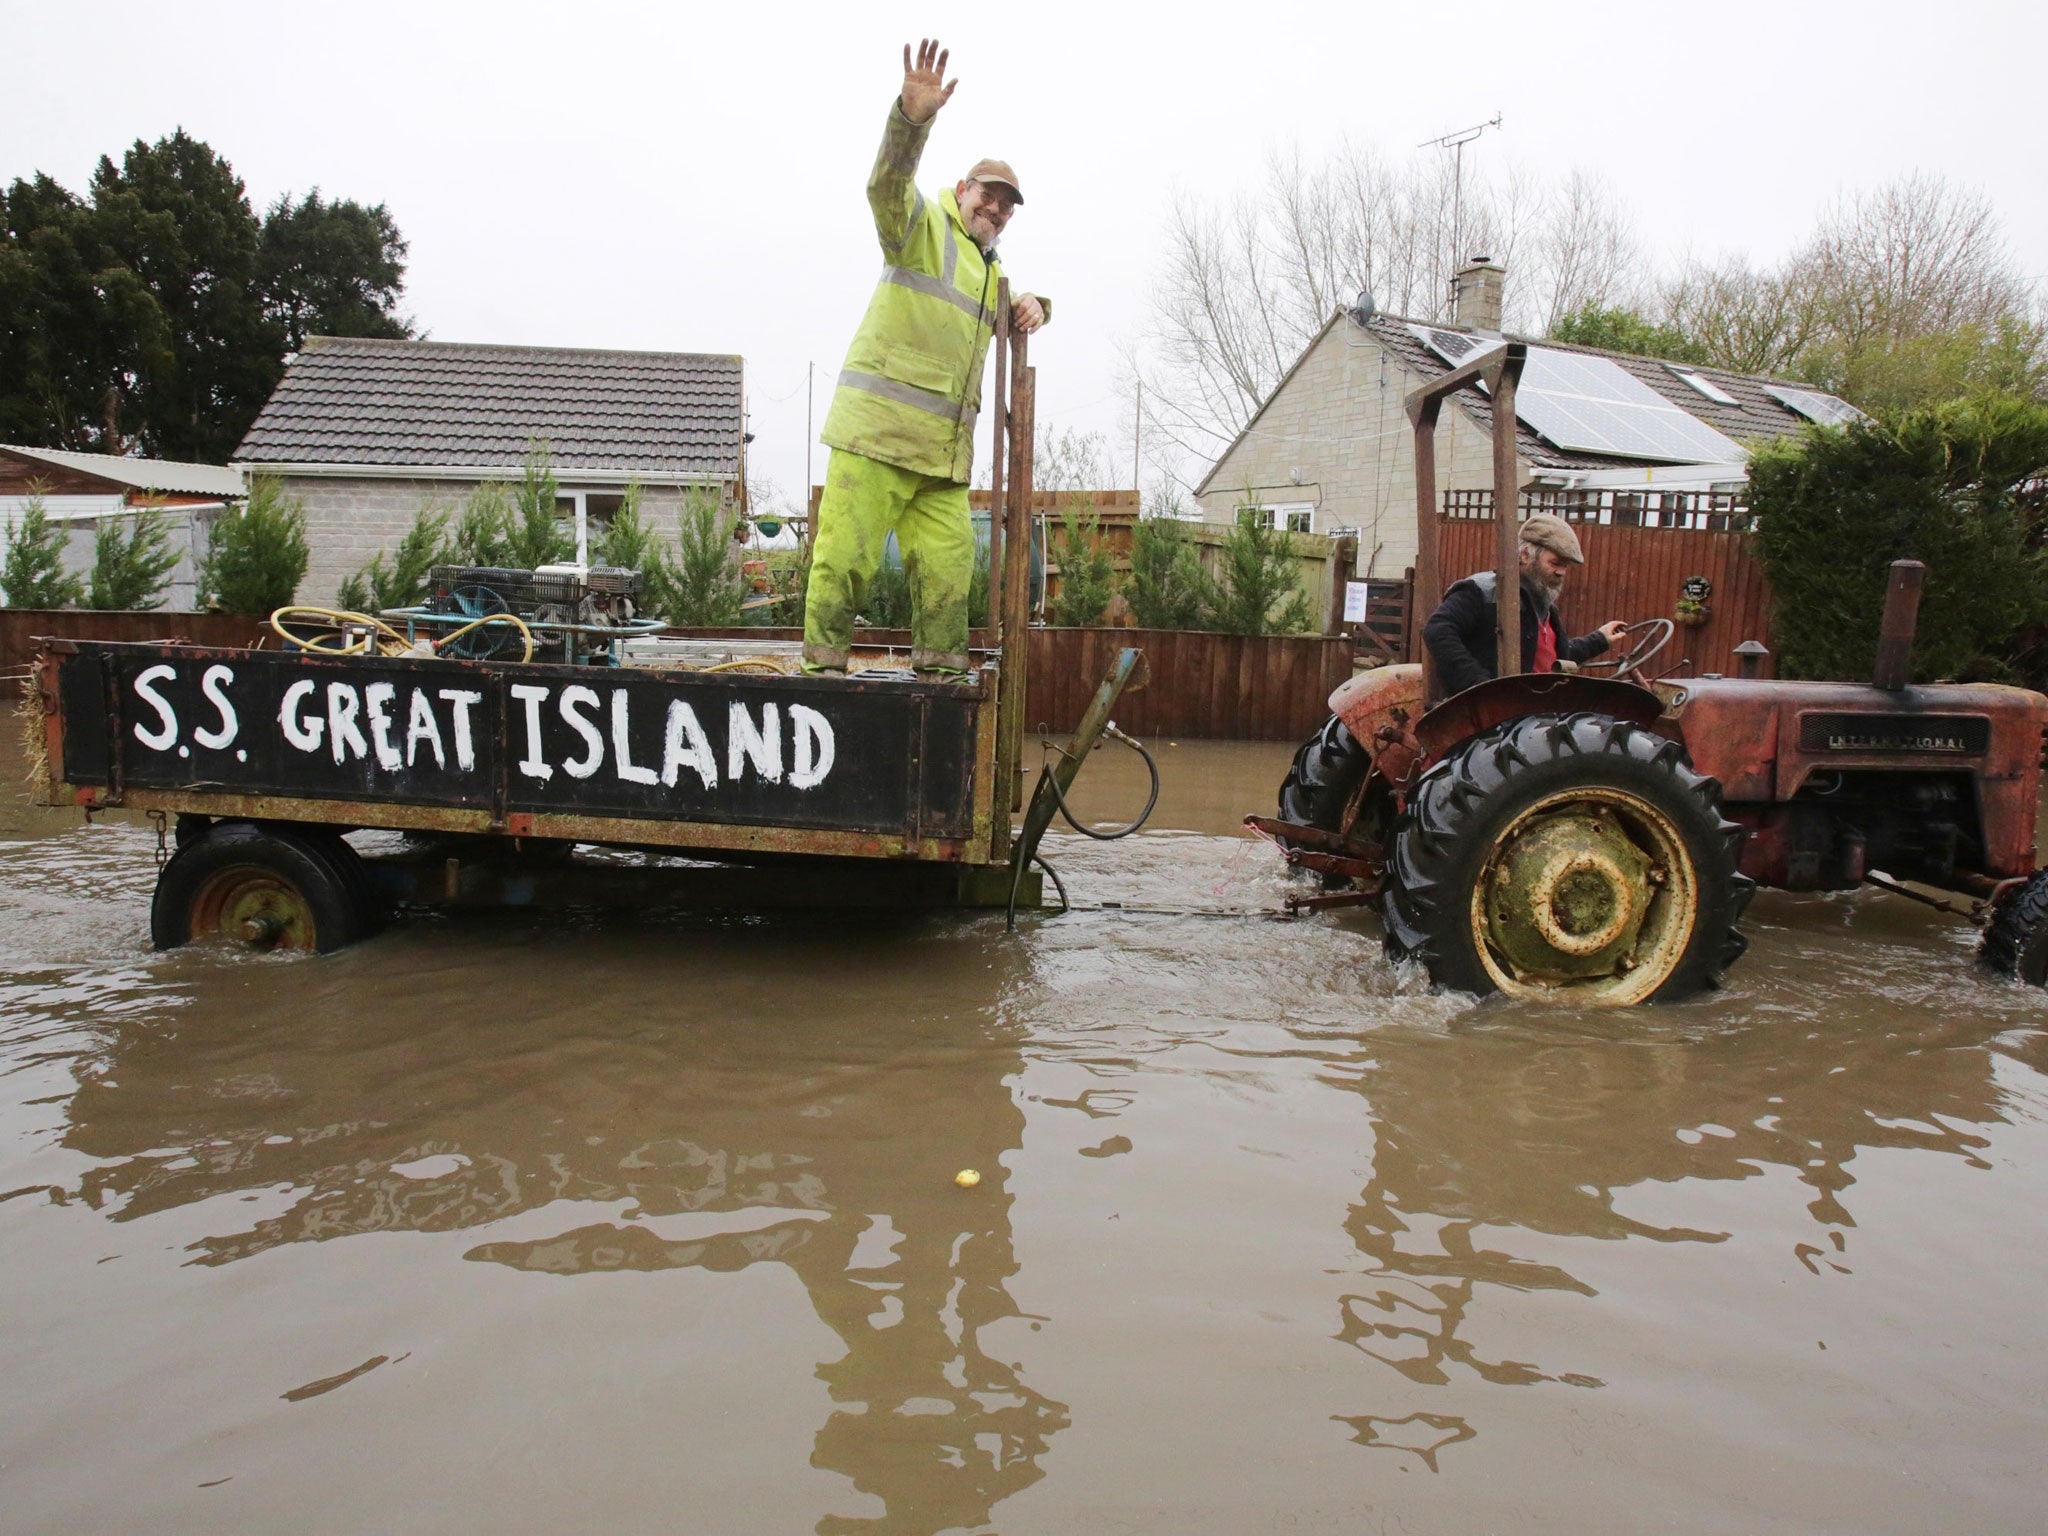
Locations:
(1546, 645)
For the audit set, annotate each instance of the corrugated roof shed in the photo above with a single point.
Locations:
(165, 475)
(452, 405)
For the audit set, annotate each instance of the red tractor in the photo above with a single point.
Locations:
(1595, 839)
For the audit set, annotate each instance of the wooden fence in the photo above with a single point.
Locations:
(1230, 687)
(1236, 687)
(20, 626)
(1641, 547)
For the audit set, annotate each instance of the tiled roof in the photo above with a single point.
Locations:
(1756, 416)
(166, 475)
(451, 405)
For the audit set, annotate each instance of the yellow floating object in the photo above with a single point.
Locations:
(967, 1178)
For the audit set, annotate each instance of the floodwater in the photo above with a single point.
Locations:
(524, 1223)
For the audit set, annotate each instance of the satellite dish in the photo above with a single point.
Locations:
(1364, 309)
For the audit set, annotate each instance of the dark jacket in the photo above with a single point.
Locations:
(1460, 634)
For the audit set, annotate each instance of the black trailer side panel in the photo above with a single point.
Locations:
(726, 749)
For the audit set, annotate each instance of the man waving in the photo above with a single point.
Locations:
(901, 427)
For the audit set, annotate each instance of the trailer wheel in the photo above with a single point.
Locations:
(1570, 858)
(2016, 942)
(371, 910)
(257, 888)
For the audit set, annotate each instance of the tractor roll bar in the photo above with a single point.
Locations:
(1500, 370)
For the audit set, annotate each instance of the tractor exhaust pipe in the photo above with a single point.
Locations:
(1901, 614)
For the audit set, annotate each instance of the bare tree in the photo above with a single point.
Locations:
(1904, 293)
(1584, 251)
(1246, 283)
(1751, 321)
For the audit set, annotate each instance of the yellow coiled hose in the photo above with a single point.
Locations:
(363, 634)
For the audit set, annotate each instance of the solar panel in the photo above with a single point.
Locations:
(1454, 347)
(1588, 404)
(1705, 386)
(1815, 405)
(1592, 405)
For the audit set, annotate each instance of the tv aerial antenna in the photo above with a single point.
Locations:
(1455, 141)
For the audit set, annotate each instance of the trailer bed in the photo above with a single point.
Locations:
(717, 763)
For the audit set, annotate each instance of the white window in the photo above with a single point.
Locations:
(1294, 516)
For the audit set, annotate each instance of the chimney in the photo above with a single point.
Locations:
(1477, 289)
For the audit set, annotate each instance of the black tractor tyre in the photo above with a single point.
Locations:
(1323, 777)
(255, 886)
(2015, 943)
(1547, 836)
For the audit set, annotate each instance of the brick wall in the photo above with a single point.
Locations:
(1339, 421)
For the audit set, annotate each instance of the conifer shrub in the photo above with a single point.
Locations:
(257, 554)
(132, 561)
(1961, 487)
(33, 575)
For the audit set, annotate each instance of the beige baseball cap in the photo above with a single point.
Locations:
(1555, 534)
(997, 171)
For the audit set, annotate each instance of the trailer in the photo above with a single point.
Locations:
(574, 783)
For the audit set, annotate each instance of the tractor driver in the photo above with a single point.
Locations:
(1460, 634)
(901, 427)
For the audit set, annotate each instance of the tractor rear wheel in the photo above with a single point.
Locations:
(1323, 777)
(1570, 858)
(2016, 941)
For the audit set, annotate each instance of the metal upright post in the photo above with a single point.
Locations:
(1423, 409)
(999, 450)
(1017, 568)
(1901, 614)
(1501, 380)
(1424, 403)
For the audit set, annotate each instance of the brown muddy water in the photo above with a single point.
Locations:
(520, 1223)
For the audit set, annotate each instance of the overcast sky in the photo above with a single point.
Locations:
(690, 178)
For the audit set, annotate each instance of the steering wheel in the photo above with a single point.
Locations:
(1650, 637)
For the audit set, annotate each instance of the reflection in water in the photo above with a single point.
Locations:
(705, 1146)
(1510, 1123)
(695, 1188)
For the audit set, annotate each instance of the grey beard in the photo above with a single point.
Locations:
(1541, 592)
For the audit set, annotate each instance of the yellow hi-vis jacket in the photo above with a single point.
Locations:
(911, 387)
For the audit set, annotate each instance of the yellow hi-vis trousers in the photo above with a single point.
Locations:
(864, 499)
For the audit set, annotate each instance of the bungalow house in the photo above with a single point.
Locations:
(82, 490)
(1331, 451)
(365, 432)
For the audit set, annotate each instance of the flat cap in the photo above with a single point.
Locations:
(1555, 534)
(997, 171)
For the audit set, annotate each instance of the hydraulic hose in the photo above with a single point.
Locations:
(1017, 880)
(1143, 816)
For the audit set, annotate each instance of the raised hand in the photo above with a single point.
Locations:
(925, 87)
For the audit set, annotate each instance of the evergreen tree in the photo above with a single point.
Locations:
(703, 585)
(33, 573)
(627, 541)
(484, 534)
(1167, 588)
(404, 582)
(155, 312)
(130, 570)
(330, 269)
(257, 556)
(1087, 576)
(1624, 330)
(537, 537)
(1961, 487)
(1259, 574)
